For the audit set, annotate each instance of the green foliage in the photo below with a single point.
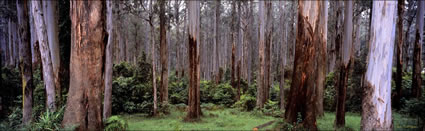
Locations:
(222, 94)
(115, 123)
(13, 121)
(178, 91)
(246, 103)
(415, 107)
(329, 101)
(132, 89)
(49, 120)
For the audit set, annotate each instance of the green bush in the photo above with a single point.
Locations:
(115, 123)
(221, 94)
(329, 101)
(415, 107)
(13, 121)
(247, 102)
(178, 91)
(132, 88)
(49, 120)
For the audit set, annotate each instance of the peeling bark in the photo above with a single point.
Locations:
(311, 33)
(84, 105)
(164, 54)
(194, 109)
(376, 103)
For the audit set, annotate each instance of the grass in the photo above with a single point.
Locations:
(352, 121)
(220, 119)
(233, 119)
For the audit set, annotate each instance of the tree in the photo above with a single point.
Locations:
(399, 66)
(46, 59)
(107, 104)
(25, 60)
(344, 65)
(164, 53)
(51, 20)
(311, 35)
(194, 109)
(376, 103)
(152, 40)
(84, 101)
(216, 42)
(417, 66)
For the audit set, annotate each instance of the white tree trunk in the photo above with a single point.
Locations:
(48, 75)
(107, 104)
(376, 103)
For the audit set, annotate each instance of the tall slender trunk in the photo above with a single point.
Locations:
(51, 20)
(217, 42)
(48, 74)
(417, 63)
(152, 40)
(398, 86)
(310, 35)
(344, 66)
(164, 53)
(194, 109)
(107, 104)
(25, 60)
(84, 101)
(261, 52)
(376, 103)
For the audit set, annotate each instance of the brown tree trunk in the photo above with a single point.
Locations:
(25, 60)
(398, 86)
(268, 51)
(194, 109)
(48, 74)
(311, 33)
(376, 103)
(321, 62)
(344, 65)
(164, 54)
(417, 64)
(238, 93)
(84, 103)
(107, 104)
(261, 53)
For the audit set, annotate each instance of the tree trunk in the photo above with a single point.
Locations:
(399, 77)
(321, 61)
(87, 38)
(417, 66)
(217, 41)
(107, 104)
(48, 74)
(268, 51)
(152, 40)
(51, 20)
(344, 66)
(194, 110)
(261, 53)
(164, 54)
(310, 35)
(376, 104)
(25, 60)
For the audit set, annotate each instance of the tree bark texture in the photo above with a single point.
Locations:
(344, 65)
(194, 109)
(311, 34)
(51, 20)
(399, 66)
(107, 103)
(48, 74)
(376, 103)
(84, 105)
(417, 63)
(25, 60)
(164, 53)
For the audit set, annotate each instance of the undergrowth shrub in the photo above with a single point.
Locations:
(115, 123)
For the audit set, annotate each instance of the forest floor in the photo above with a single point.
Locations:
(233, 119)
